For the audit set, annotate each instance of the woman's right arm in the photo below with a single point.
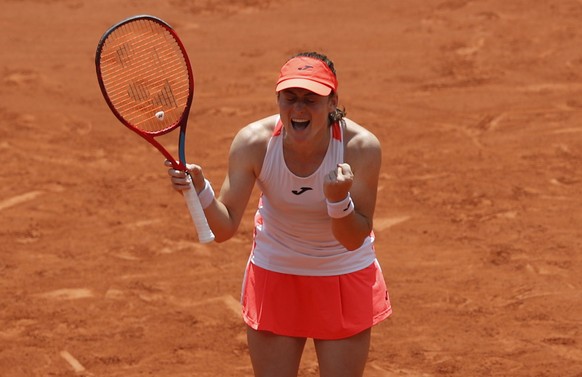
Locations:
(246, 155)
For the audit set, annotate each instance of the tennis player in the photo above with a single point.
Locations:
(312, 271)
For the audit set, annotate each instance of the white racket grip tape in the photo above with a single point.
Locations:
(205, 235)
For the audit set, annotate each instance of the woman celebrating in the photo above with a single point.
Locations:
(312, 272)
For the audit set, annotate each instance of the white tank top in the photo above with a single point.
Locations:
(292, 232)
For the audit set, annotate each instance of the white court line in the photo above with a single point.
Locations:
(570, 130)
(68, 294)
(229, 301)
(77, 367)
(384, 223)
(15, 200)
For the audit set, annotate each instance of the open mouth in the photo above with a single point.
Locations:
(299, 124)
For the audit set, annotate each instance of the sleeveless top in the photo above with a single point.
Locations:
(292, 231)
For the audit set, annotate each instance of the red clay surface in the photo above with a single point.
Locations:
(478, 105)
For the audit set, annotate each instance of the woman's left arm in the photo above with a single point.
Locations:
(358, 177)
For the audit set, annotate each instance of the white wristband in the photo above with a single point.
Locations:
(337, 210)
(206, 196)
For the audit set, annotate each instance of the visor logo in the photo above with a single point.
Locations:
(305, 67)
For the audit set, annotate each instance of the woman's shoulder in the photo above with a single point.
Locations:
(251, 141)
(358, 136)
(259, 131)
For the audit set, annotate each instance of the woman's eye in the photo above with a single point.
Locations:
(294, 100)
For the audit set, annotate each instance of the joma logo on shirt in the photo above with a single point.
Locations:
(301, 191)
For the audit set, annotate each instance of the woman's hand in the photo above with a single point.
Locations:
(338, 182)
(181, 179)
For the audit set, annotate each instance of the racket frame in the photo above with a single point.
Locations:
(182, 121)
(204, 233)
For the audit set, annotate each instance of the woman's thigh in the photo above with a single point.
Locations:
(343, 357)
(274, 355)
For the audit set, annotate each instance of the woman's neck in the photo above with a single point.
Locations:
(303, 159)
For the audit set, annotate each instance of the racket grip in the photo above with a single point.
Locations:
(205, 235)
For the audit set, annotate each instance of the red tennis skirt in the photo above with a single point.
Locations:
(319, 307)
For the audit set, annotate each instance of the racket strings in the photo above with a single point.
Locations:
(165, 97)
(146, 76)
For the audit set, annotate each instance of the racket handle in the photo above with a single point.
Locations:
(205, 235)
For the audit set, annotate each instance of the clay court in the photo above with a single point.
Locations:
(478, 105)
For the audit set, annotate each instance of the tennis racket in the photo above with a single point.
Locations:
(147, 81)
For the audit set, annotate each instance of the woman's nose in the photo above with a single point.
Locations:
(299, 105)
